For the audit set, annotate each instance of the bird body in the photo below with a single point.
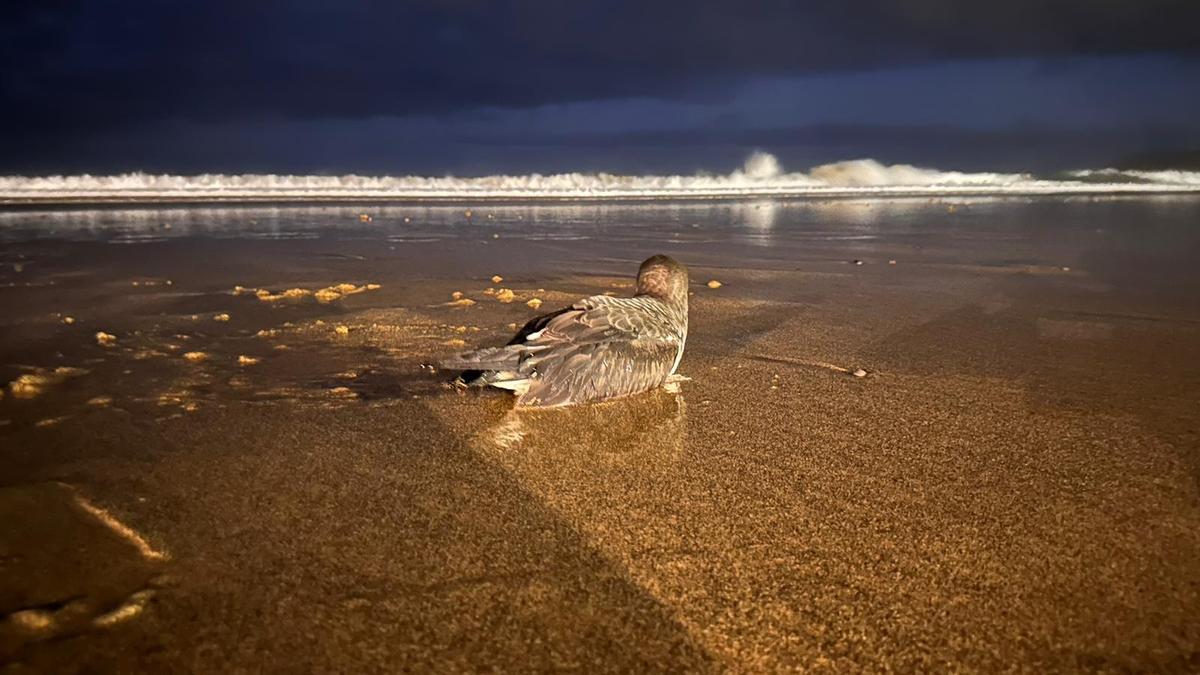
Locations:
(598, 348)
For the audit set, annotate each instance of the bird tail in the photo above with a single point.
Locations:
(491, 358)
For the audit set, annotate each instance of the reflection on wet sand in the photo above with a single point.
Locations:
(648, 428)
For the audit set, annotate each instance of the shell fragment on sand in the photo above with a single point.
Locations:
(244, 360)
(195, 357)
(534, 303)
(505, 295)
(714, 284)
(105, 339)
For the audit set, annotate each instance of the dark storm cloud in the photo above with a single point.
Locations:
(77, 67)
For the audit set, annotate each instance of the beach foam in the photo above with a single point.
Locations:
(34, 384)
(760, 176)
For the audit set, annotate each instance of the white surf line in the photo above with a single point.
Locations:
(118, 527)
(760, 177)
(594, 195)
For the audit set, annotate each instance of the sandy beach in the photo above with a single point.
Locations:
(223, 448)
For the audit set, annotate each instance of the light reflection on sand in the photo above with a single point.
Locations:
(650, 427)
(110, 521)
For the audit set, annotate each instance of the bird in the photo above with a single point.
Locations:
(601, 347)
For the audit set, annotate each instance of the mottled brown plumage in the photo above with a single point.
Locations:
(601, 347)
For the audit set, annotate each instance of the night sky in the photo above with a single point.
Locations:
(465, 87)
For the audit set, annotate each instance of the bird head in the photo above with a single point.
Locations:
(664, 278)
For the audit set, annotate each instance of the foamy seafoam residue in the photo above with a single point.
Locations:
(761, 176)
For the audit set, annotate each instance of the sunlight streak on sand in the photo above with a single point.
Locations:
(127, 533)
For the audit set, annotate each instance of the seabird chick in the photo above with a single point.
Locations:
(599, 348)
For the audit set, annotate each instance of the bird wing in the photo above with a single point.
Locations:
(575, 372)
(599, 348)
(476, 363)
(601, 317)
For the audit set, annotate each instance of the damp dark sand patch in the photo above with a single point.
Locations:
(70, 566)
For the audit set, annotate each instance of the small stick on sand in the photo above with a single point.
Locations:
(857, 372)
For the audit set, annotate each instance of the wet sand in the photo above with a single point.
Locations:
(1013, 485)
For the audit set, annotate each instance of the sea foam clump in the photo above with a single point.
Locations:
(761, 165)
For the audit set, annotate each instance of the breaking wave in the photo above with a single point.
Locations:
(760, 176)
